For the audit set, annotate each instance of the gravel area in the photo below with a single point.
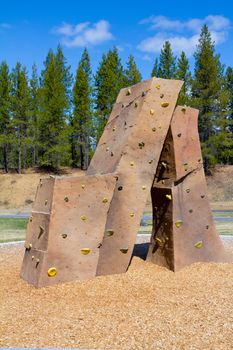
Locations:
(149, 307)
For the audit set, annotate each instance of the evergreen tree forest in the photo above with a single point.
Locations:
(54, 118)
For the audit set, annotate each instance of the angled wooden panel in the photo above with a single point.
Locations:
(186, 232)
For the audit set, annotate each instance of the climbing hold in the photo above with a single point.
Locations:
(163, 182)
(37, 262)
(150, 161)
(83, 217)
(190, 210)
(164, 104)
(184, 108)
(52, 271)
(132, 163)
(136, 104)
(157, 86)
(185, 166)
(64, 235)
(30, 219)
(66, 199)
(179, 135)
(105, 200)
(202, 196)
(114, 128)
(199, 160)
(128, 92)
(188, 190)
(153, 129)
(46, 202)
(160, 126)
(143, 93)
(28, 246)
(169, 196)
(109, 232)
(112, 154)
(159, 241)
(152, 111)
(123, 106)
(124, 250)
(143, 187)
(207, 226)
(178, 223)
(33, 257)
(199, 244)
(141, 144)
(164, 164)
(85, 251)
(161, 95)
(83, 186)
(42, 229)
(120, 188)
(131, 214)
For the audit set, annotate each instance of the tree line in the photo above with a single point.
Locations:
(55, 119)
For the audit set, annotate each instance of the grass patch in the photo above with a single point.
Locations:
(12, 229)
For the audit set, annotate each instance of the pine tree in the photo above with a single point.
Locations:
(167, 64)
(206, 89)
(4, 113)
(81, 121)
(34, 112)
(109, 79)
(20, 114)
(132, 74)
(183, 73)
(229, 85)
(55, 96)
(156, 71)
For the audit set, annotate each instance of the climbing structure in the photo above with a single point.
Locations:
(87, 226)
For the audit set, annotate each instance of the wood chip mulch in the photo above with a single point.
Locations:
(149, 307)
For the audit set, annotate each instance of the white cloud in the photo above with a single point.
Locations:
(84, 34)
(172, 30)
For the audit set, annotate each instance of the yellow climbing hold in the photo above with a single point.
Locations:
(30, 219)
(128, 92)
(157, 86)
(83, 186)
(109, 232)
(143, 187)
(131, 214)
(152, 111)
(159, 241)
(124, 250)
(198, 245)
(153, 129)
(179, 223)
(52, 271)
(46, 202)
(164, 104)
(33, 257)
(105, 200)
(169, 196)
(132, 163)
(83, 217)
(164, 164)
(27, 245)
(85, 251)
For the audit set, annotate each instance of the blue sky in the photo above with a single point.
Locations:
(29, 28)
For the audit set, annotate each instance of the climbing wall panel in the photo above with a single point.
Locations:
(185, 232)
(74, 231)
(145, 118)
